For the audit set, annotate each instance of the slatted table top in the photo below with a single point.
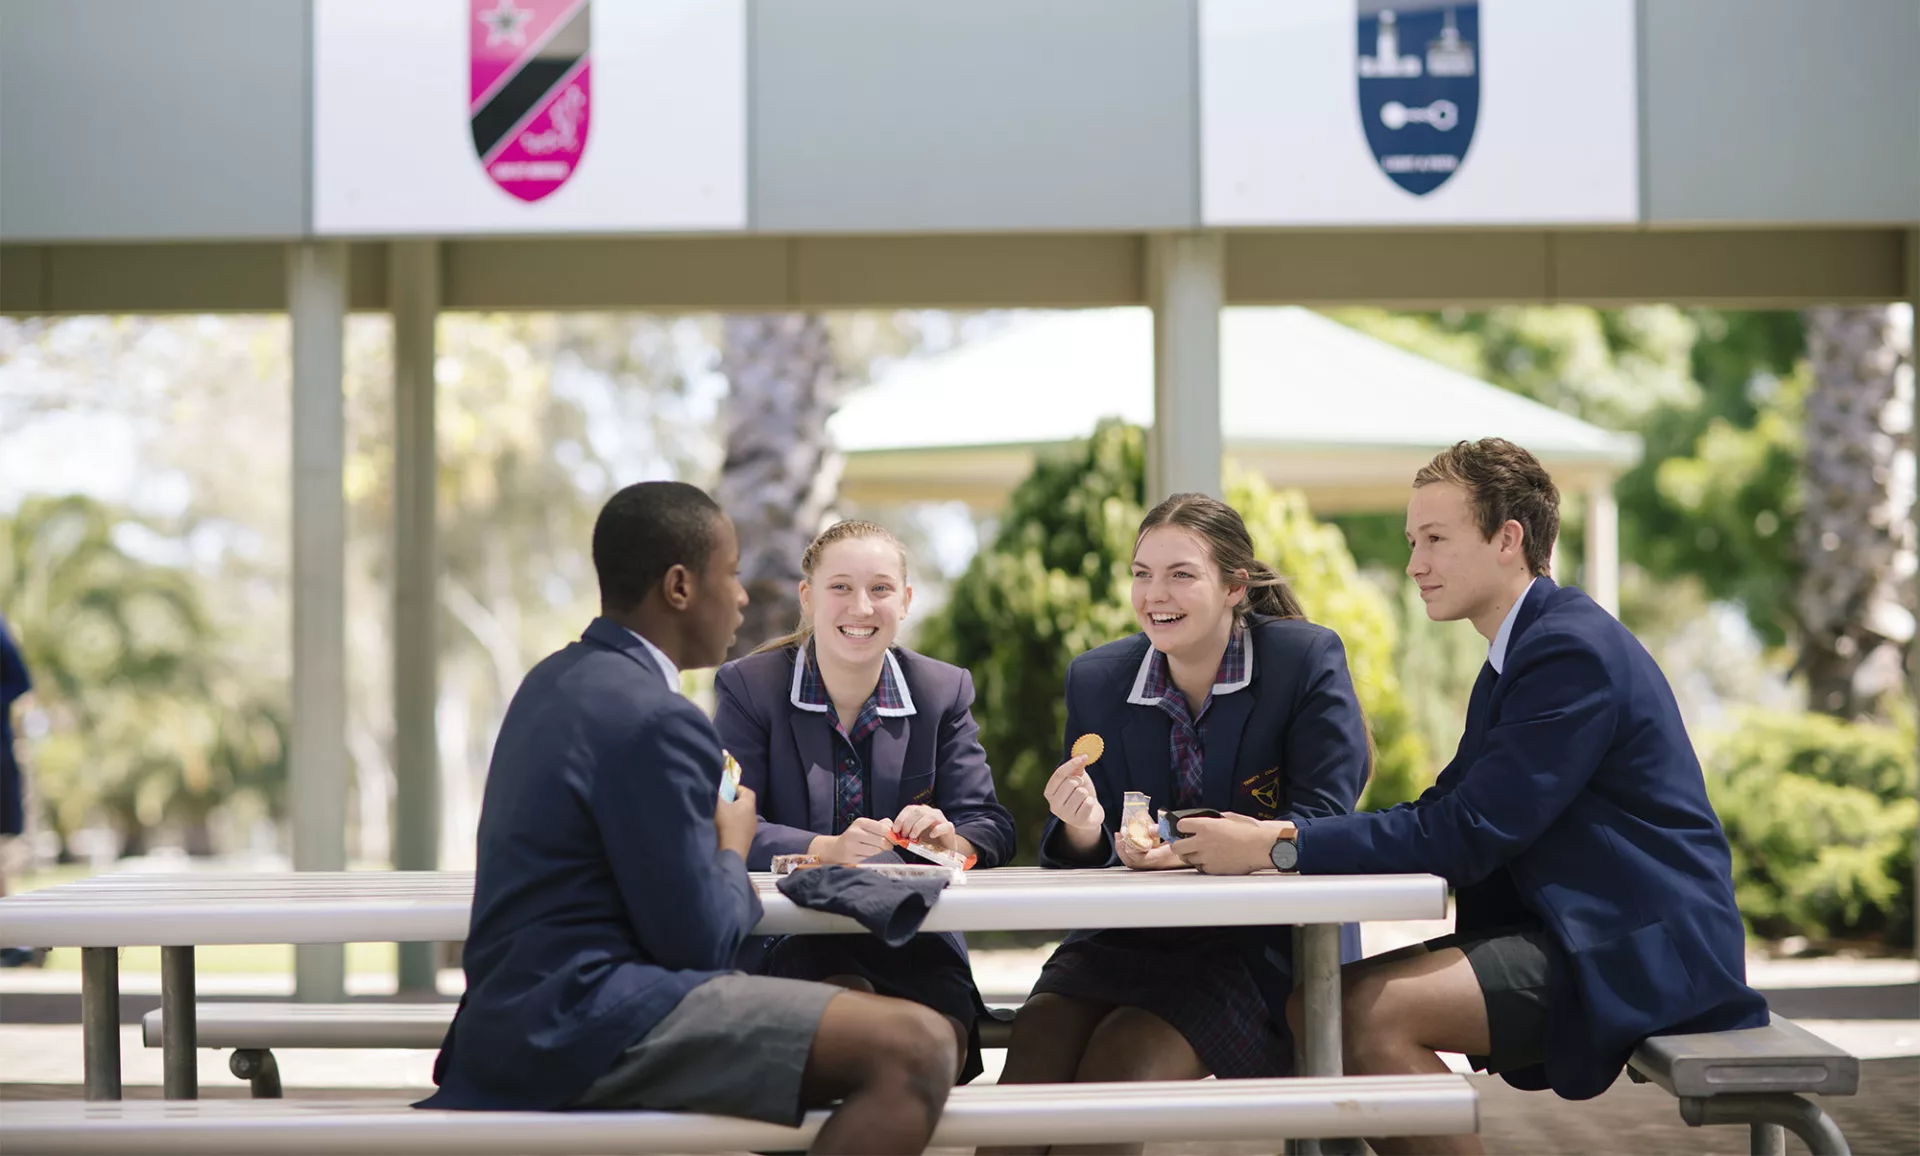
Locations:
(128, 910)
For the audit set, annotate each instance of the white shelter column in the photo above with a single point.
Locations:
(317, 755)
(1186, 285)
(1913, 512)
(413, 294)
(1603, 546)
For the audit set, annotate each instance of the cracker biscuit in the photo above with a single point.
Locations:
(1090, 745)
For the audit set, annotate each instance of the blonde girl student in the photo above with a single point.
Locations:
(846, 738)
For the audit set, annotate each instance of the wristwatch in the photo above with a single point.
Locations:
(1285, 854)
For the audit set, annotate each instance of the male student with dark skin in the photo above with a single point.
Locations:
(612, 889)
(1592, 882)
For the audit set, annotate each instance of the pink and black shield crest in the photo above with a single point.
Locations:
(530, 91)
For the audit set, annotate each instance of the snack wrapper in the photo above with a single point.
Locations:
(956, 864)
(911, 871)
(729, 777)
(1137, 821)
(788, 864)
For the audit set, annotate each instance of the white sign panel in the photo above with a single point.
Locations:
(528, 116)
(1377, 112)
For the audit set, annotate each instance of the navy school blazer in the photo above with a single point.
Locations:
(1291, 744)
(1575, 799)
(787, 756)
(601, 897)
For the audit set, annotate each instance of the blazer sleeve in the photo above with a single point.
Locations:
(963, 783)
(1054, 849)
(690, 903)
(743, 732)
(1557, 721)
(1326, 741)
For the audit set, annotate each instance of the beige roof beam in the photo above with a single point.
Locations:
(1760, 268)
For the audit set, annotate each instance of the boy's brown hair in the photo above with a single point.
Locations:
(1504, 483)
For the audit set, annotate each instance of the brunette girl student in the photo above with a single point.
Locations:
(844, 738)
(1227, 699)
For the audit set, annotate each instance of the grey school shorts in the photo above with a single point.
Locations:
(736, 1045)
(1515, 967)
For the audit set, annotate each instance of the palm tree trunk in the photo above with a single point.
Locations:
(780, 473)
(1857, 483)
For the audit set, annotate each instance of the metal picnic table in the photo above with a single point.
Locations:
(177, 912)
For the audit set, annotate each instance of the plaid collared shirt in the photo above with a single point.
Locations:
(1188, 734)
(850, 771)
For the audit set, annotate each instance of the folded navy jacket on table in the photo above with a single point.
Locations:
(891, 908)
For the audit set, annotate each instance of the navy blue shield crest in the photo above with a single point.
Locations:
(1419, 69)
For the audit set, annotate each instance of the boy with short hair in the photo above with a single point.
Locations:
(612, 890)
(1593, 886)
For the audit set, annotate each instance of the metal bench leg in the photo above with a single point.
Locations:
(179, 1031)
(1316, 965)
(100, 1020)
(1768, 1113)
(1766, 1140)
(257, 1067)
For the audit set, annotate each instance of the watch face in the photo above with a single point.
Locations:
(1285, 854)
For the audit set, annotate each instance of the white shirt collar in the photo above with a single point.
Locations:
(1139, 695)
(667, 667)
(893, 671)
(1497, 652)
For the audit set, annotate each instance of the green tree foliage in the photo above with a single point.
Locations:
(1054, 583)
(143, 727)
(1717, 495)
(1820, 814)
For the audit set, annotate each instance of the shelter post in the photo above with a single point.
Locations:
(413, 294)
(317, 749)
(1186, 285)
(1913, 512)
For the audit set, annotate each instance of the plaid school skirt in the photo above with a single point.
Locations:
(1197, 980)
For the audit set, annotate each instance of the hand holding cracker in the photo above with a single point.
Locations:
(1071, 797)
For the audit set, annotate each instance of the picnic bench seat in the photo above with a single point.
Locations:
(253, 1030)
(1754, 1076)
(1196, 1111)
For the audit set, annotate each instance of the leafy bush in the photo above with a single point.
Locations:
(1820, 814)
(1054, 583)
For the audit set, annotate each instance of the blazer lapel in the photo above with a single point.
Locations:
(812, 735)
(888, 748)
(1226, 721)
(1479, 706)
(1146, 737)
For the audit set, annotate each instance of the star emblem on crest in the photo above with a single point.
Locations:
(506, 24)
